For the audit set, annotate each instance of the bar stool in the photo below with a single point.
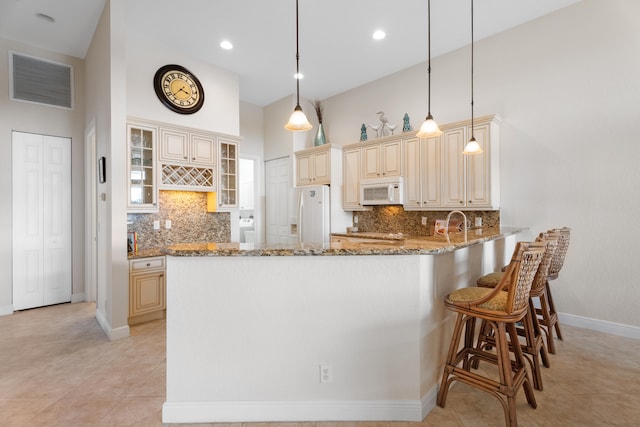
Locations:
(547, 314)
(502, 309)
(533, 346)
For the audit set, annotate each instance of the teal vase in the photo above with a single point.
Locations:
(319, 139)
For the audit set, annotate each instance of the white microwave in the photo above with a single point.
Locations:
(382, 191)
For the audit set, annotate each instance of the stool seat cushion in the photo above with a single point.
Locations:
(490, 280)
(497, 303)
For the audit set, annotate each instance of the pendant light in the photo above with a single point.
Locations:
(298, 121)
(429, 128)
(472, 146)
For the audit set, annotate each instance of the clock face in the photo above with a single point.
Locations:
(178, 89)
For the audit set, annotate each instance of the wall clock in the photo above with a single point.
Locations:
(178, 89)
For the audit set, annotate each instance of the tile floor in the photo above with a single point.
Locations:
(57, 368)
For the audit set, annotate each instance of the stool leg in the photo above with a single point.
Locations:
(547, 320)
(537, 331)
(451, 360)
(531, 346)
(520, 365)
(486, 333)
(469, 334)
(552, 309)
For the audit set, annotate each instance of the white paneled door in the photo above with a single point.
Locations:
(41, 203)
(277, 201)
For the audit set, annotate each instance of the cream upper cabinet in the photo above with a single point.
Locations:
(142, 191)
(186, 147)
(203, 149)
(351, 164)
(313, 166)
(228, 187)
(453, 168)
(382, 159)
(471, 181)
(422, 183)
(437, 176)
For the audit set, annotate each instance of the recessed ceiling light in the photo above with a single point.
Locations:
(45, 17)
(379, 35)
(226, 45)
(298, 76)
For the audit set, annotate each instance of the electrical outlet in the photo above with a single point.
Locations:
(156, 225)
(478, 221)
(326, 374)
(424, 220)
(355, 219)
(167, 224)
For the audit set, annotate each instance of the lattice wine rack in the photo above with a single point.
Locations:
(187, 176)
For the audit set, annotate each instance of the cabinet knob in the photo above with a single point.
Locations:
(461, 202)
(185, 157)
(148, 264)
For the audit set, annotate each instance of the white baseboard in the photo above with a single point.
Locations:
(607, 327)
(77, 297)
(429, 401)
(112, 334)
(293, 411)
(6, 309)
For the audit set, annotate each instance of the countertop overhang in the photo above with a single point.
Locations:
(393, 244)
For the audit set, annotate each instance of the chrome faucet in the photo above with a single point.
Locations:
(464, 218)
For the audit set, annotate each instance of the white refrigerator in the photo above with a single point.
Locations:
(314, 212)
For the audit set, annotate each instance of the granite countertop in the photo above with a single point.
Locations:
(146, 253)
(396, 245)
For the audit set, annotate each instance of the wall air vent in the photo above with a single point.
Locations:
(40, 81)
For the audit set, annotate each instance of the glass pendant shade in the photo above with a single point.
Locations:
(298, 121)
(472, 147)
(429, 128)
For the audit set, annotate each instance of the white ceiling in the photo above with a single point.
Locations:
(337, 51)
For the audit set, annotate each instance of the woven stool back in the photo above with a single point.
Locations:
(520, 274)
(561, 251)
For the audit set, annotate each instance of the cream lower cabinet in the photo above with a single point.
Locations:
(422, 183)
(147, 294)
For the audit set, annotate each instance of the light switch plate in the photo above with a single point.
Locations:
(167, 224)
(156, 225)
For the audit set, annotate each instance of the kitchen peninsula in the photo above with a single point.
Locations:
(347, 331)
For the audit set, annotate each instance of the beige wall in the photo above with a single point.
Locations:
(41, 119)
(220, 111)
(567, 87)
(106, 110)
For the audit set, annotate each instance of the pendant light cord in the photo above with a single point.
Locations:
(297, 62)
(429, 56)
(472, 136)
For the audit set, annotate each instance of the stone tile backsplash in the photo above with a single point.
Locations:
(394, 219)
(190, 221)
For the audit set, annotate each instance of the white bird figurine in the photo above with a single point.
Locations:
(384, 123)
(378, 129)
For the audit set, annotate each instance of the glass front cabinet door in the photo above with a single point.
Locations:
(141, 173)
(228, 184)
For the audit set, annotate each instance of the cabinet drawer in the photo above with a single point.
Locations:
(146, 264)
